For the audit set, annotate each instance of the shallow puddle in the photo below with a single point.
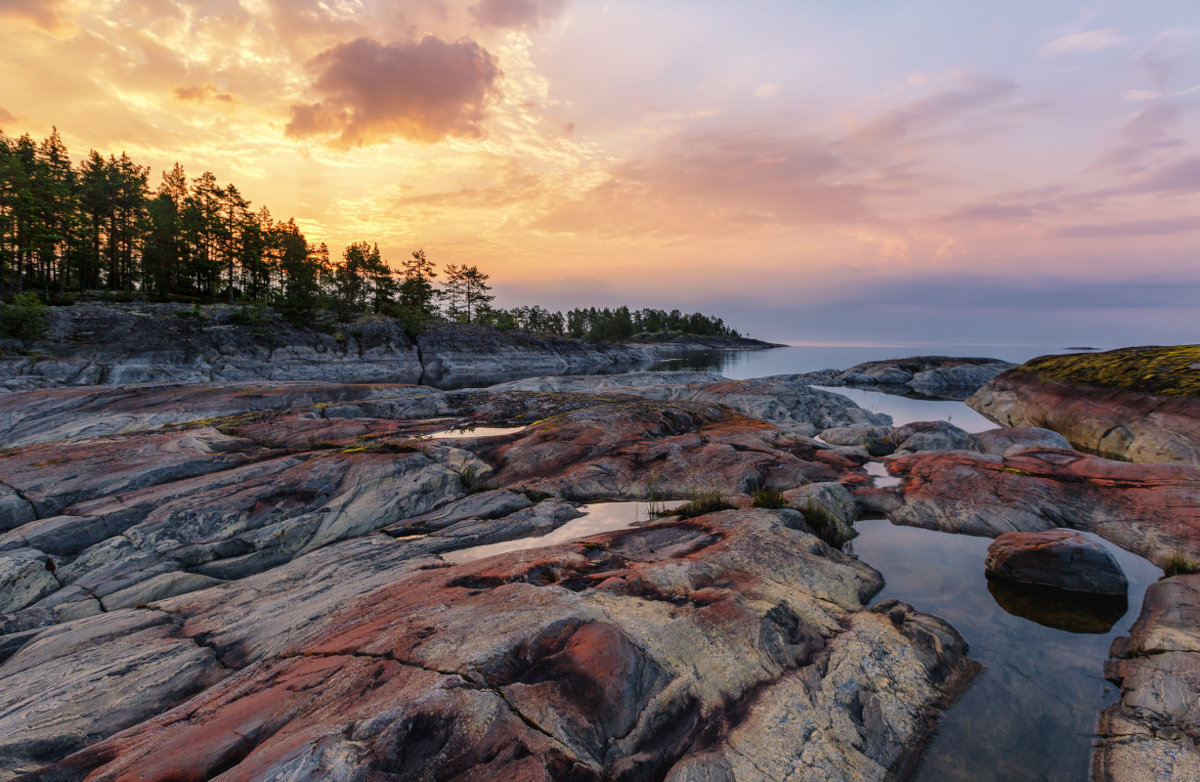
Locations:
(471, 432)
(1031, 713)
(880, 477)
(598, 517)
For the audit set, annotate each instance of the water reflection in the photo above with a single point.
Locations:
(1031, 713)
(1074, 612)
(597, 517)
(471, 432)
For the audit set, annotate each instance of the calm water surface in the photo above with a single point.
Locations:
(744, 364)
(1031, 713)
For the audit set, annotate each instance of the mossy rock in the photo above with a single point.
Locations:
(1165, 370)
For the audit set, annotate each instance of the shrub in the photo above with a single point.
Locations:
(699, 505)
(1180, 565)
(25, 318)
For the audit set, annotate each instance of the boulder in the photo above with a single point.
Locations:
(1059, 559)
(1001, 442)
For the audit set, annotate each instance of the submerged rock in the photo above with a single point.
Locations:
(1058, 558)
(935, 376)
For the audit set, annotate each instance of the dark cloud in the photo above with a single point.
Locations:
(422, 91)
(518, 14)
(1174, 225)
(44, 13)
(202, 93)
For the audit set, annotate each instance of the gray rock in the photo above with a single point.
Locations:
(1001, 442)
(24, 578)
(931, 436)
(1058, 558)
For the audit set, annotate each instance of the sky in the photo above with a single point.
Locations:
(813, 172)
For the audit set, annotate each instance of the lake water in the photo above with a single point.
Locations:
(1031, 713)
(744, 364)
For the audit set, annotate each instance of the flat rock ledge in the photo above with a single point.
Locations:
(1059, 559)
(247, 581)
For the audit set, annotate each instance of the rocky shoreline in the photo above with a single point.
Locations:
(256, 581)
(90, 344)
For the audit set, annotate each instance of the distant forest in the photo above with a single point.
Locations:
(98, 226)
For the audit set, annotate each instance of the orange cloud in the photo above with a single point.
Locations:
(202, 93)
(421, 91)
(46, 14)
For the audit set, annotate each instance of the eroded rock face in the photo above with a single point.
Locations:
(632, 656)
(263, 595)
(1059, 559)
(1151, 734)
(1112, 422)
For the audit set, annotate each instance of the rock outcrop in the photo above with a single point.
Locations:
(1137, 404)
(1058, 559)
(114, 344)
(1149, 509)
(942, 377)
(1152, 733)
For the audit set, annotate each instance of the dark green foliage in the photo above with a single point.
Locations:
(769, 498)
(24, 318)
(709, 502)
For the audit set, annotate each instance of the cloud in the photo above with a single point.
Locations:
(989, 212)
(1174, 225)
(1089, 41)
(713, 182)
(6, 115)
(46, 14)
(767, 90)
(1146, 132)
(202, 93)
(422, 91)
(517, 14)
(1179, 178)
(926, 113)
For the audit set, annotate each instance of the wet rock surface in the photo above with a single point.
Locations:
(1059, 559)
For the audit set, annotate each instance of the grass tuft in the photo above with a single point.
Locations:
(768, 498)
(1180, 565)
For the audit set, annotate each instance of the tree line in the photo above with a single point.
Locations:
(100, 226)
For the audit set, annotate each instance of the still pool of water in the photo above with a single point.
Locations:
(471, 432)
(597, 517)
(1031, 713)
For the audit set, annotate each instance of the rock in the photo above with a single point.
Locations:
(1002, 442)
(931, 436)
(1149, 509)
(25, 578)
(877, 440)
(604, 659)
(1059, 559)
(1151, 734)
(828, 508)
(1114, 421)
(938, 376)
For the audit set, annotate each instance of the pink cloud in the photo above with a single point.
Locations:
(518, 14)
(422, 91)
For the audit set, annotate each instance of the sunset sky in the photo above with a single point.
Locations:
(917, 171)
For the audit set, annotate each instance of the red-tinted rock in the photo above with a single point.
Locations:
(1059, 559)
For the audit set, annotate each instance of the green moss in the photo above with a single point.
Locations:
(1166, 370)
